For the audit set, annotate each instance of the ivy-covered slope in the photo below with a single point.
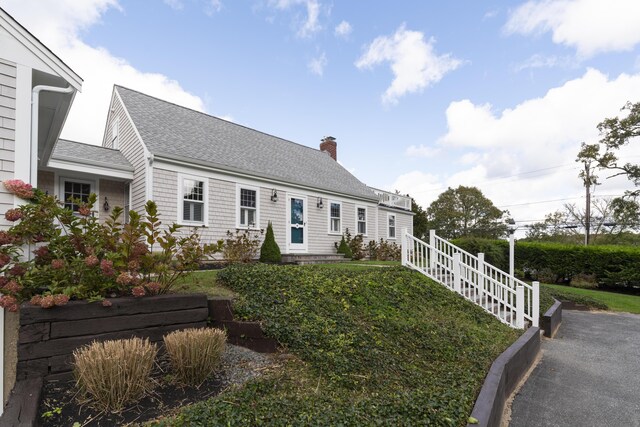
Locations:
(373, 347)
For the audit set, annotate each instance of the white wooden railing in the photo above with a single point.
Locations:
(392, 199)
(509, 299)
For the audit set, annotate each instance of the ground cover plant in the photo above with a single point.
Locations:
(377, 346)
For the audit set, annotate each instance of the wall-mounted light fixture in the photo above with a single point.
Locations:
(274, 195)
(320, 204)
(106, 206)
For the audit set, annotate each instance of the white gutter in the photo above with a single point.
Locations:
(35, 101)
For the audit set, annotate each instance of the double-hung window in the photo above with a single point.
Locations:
(391, 220)
(361, 220)
(335, 217)
(248, 205)
(74, 190)
(194, 200)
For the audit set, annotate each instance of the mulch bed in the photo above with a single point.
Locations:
(60, 406)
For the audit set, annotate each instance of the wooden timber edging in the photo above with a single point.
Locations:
(48, 337)
(22, 408)
(551, 320)
(505, 374)
(245, 334)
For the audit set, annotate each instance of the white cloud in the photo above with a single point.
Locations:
(589, 26)
(421, 151)
(318, 64)
(309, 25)
(58, 24)
(212, 7)
(414, 63)
(527, 153)
(546, 61)
(174, 4)
(343, 30)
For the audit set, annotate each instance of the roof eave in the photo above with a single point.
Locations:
(172, 158)
(39, 49)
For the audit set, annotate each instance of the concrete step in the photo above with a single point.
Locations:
(305, 259)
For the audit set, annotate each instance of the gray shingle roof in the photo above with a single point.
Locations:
(169, 130)
(90, 154)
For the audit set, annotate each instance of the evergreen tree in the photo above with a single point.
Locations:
(270, 251)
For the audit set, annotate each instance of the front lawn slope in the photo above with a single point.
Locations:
(373, 347)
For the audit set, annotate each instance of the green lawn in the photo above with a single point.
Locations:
(203, 282)
(370, 346)
(611, 300)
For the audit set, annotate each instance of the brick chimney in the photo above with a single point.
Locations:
(328, 144)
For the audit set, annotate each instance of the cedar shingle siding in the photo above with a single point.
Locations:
(7, 133)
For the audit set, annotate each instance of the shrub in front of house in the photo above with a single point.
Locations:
(343, 248)
(270, 251)
(76, 256)
(112, 374)
(384, 250)
(242, 246)
(195, 353)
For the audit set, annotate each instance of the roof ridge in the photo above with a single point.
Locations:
(217, 118)
(86, 143)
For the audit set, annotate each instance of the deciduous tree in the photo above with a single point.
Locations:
(465, 212)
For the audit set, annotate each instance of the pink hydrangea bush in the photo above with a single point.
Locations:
(77, 257)
(19, 188)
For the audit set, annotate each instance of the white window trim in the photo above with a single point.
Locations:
(205, 213)
(395, 226)
(238, 207)
(329, 231)
(93, 189)
(366, 218)
(115, 134)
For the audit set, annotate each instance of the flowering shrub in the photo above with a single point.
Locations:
(75, 256)
(19, 188)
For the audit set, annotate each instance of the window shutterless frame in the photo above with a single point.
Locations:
(193, 200)
(247, 207)
(335, 217)
(361, 220)
(391, 226)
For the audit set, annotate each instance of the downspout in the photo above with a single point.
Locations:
(35, 102)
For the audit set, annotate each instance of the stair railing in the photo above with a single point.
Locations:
(509, 299)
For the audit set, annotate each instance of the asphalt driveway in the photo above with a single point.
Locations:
(589, 374)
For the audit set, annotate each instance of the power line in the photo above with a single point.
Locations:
(556, 200)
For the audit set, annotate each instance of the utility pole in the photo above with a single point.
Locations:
(587, 210)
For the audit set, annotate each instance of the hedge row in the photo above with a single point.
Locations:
(608, 266)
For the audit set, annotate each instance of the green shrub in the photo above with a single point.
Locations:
(609, 266)
(270, 251)
(111, 374)
(241, 246)
(496, 252)
(195, 353)
(343, 248)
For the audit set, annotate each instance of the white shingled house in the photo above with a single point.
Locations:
(207, 172)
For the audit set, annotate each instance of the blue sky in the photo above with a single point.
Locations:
(419, 95)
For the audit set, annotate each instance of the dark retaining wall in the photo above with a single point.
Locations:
(551, 320)
(245, 334)
(48, 337)
(505, 374)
